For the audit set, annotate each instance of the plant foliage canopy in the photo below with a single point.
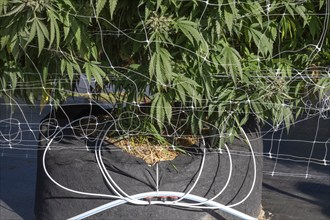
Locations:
(217, 61)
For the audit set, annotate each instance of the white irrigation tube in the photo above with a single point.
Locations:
(134, 199)
(68, 189)
(109, 179)
(196, 181)
(104, 175)
(164, 193)
(195, 205)
(111, 183)
(157, 177)
(63, 187)
(254, 170)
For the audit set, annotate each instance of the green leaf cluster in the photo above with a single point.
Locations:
(200, 65)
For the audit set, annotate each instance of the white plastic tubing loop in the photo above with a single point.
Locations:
(66, 188)
(254, 170)
(135, 199)
(221, 191)
(191, 197)
(112, 184)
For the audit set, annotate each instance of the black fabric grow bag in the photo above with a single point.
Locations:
(71, 165)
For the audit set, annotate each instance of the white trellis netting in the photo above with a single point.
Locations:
(19, 123)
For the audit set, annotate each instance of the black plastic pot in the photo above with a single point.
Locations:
(71, 165)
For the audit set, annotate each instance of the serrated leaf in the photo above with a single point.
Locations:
(181, 93)
(13, 80)
(45, 73)
(256, 10)
(43, 29)
(76, 29)
(168, 109)
(88, 71)
(112, 7)
(186, 87)
(69, 3)
(187, 34)
(4, 41)
(218, 28)
(76, 67)
(58, 35)
(288, 117)
(288, 7)
(223, 93)
(155, 98)
(69, 70)
(63, 66)
(41, 40)
(135, 66)
(231, 62)
(14, 10)
(66, 25)
(54, 29)
(200, 123)
(159, 72)
(229, 20)
(301, 11)
(99, 6)
(98, 73)
(232, 5)
(165, 58)
(263, 43)
(188, 28)
(160, 116)
(191, 92)
(159, 2)
(210, 109)
(33, 31)
(244, 119)
(189, 81)
(321, 3)
(152, 65)
(51, 33)
(298, 87)
(14, 46)
(94, 52)
(157, 109)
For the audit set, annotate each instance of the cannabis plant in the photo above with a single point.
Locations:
(196, 66)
